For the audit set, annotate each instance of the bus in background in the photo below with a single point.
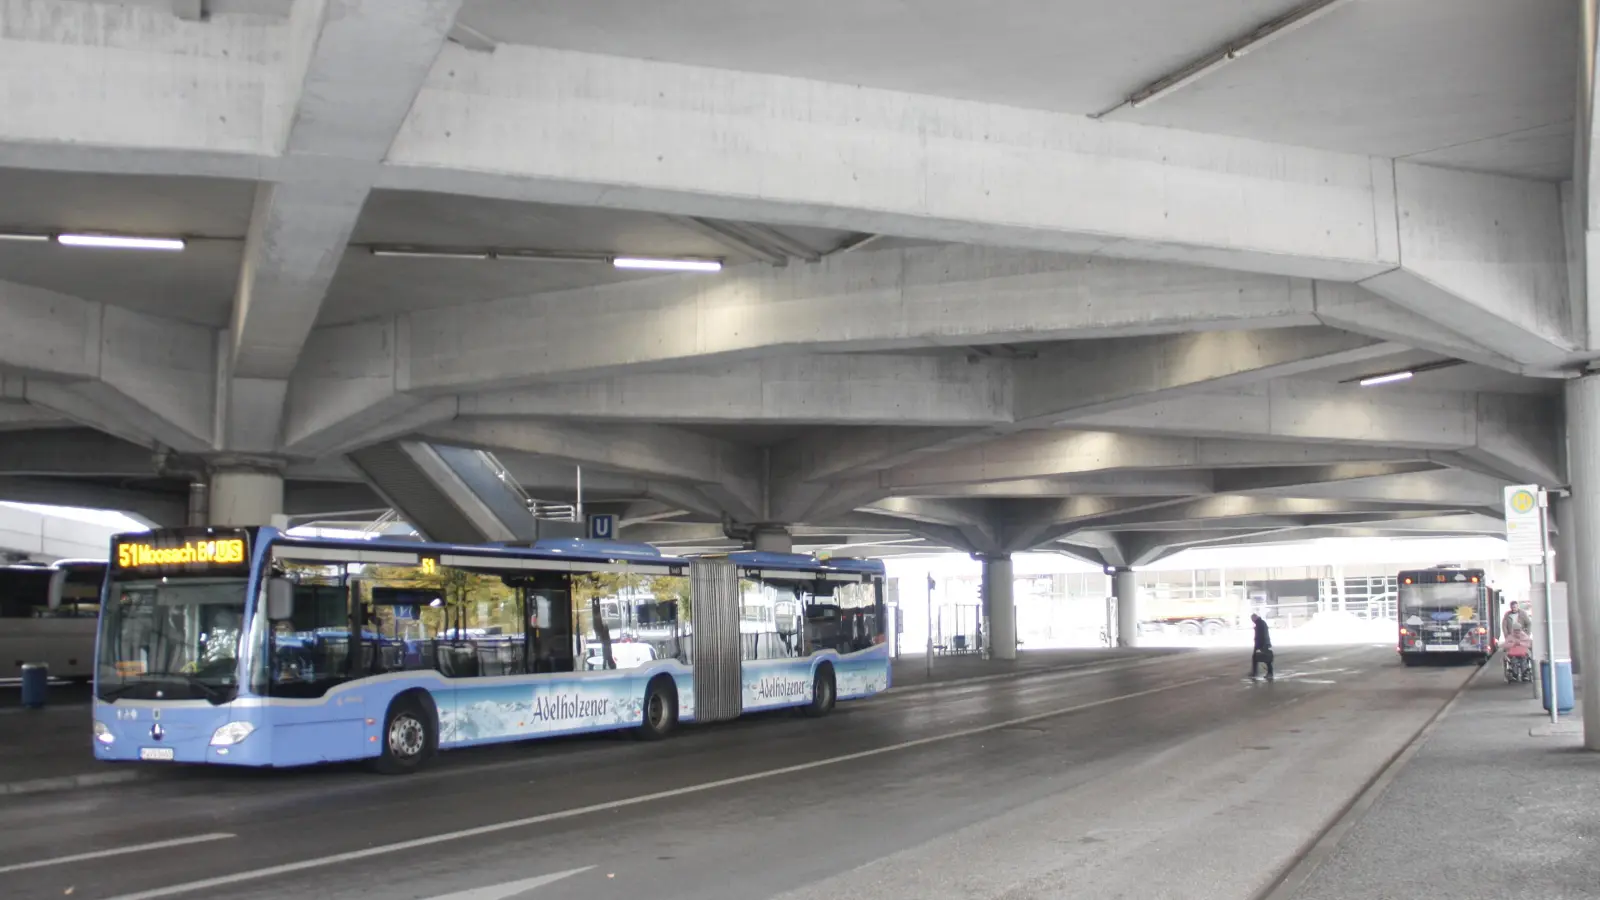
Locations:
(244, 646)
(1446, 612)
(47, 615)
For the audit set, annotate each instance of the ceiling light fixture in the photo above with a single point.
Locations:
(406, 253)
(565, 256)
(1389, 378)
(119, 242)
(1394, 375)
(13, 236)
(1205, 65)
(668, 265)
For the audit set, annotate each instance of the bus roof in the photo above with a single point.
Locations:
(801, 562)
(560, 549)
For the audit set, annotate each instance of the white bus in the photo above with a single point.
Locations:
(47, 615)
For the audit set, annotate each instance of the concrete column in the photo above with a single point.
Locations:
(999, 607)
(1125, 584)
(245, 496)
(772, 539)
(1583, 470)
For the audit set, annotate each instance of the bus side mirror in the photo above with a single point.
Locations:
(280, 599)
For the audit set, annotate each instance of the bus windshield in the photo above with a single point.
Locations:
(1438, 596)
(171, 640)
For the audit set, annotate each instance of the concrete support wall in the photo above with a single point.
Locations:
(1125, 585)
(1583, 435)
(999, 607)
(245, 497)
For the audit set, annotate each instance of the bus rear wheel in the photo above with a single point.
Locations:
(660, 710)
(410, 736)
(824, 693)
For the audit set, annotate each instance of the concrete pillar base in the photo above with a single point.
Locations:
(772, 540)
(245, 496)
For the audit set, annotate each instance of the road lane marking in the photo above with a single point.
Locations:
(118, 851)
(318, 862)
(509, 888)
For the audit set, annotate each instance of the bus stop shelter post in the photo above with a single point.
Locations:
(1549, 606)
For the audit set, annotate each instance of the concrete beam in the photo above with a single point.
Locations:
(177, 93)
(1292, 480)
(729, 474)
(1485, 254)
(1353, 308)
(1513, 432)
(1026, 525)
(355, 67)
(1103, 376)
(74, 451)
(1044, 454)
(705, 142)
(925, 296)
(1220, 510)
(1169, 483)
(839, 389)
(141, 376)
(348, 392)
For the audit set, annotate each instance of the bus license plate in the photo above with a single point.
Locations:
(158, 753)
(1442, 648)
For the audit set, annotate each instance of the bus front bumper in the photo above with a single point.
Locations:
(167, 733)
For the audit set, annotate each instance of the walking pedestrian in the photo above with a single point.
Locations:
(1263, 648)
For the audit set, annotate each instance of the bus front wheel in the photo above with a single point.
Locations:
(660, 710)
(824, 693)
(410, 736)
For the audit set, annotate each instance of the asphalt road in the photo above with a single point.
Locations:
(1164, 777)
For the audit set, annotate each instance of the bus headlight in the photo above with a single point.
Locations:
(102, 732)
(231, 733)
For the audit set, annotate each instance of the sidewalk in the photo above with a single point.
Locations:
(911, 671)
(1484, 810)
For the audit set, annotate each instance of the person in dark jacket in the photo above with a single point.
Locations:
(1263, 648)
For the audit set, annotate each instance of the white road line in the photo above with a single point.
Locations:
(119, 851)
(510, 888)
(302, 865)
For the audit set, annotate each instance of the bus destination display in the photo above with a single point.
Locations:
(211, 553)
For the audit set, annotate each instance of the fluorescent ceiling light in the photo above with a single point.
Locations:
(431, 254)
(1385, 379)
(9, 236)
(668, 265)
(116, 242)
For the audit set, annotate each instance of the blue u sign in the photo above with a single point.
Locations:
(602, 528)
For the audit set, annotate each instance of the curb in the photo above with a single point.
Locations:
(1310, 857)
(67, 782)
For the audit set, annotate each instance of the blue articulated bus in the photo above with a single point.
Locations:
(248, 647)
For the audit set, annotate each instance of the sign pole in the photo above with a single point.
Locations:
(1553, 695)
(930, 627)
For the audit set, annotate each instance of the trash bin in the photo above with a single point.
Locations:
(1563, 691)
(35, 684)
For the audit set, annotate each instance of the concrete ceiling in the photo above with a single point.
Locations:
(1115, 338)
(1474, 84)
(198, 285)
